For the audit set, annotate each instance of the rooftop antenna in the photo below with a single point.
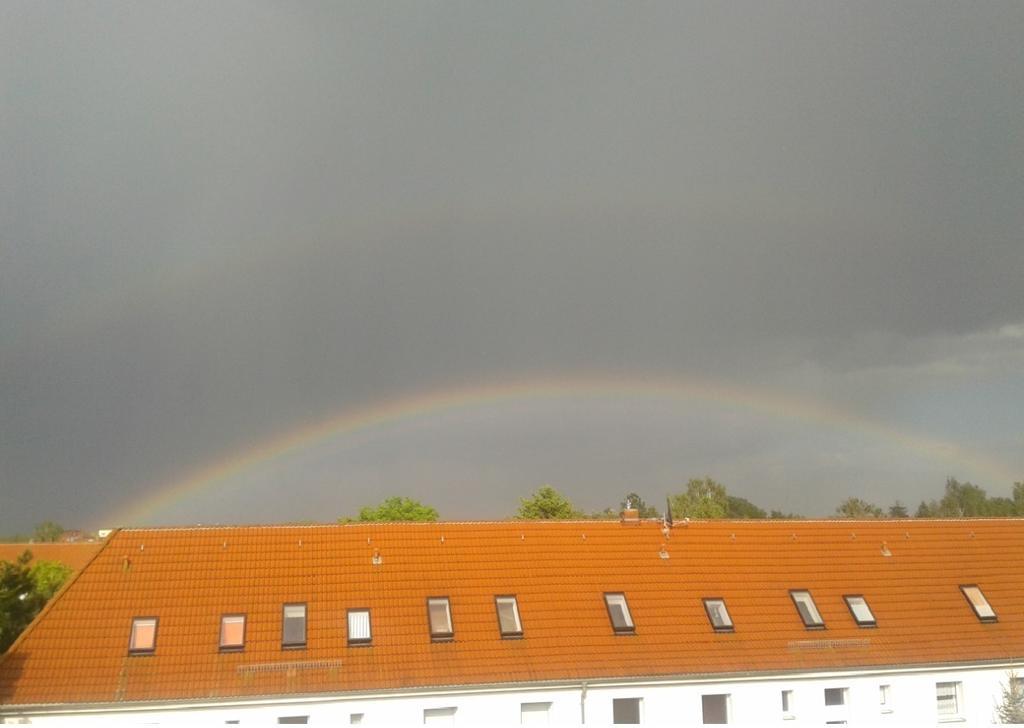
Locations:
(668, 512)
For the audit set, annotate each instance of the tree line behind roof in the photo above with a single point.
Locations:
(707, 498)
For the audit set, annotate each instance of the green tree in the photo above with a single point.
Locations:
(703, 498)
(24, 590)
(898, 510)
(1011, 707)
(397, 508)
(1018, 499)
(927, 510)
(546, 503)
(737, 507)
(781, 516)
(857, 508)
(47, 577)
(637, 502)
(47, 532)
(962, 500)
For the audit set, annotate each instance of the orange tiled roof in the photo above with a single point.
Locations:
(77, 651)
(72, 555)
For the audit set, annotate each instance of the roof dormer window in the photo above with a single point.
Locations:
(439, 612)
(359, 627)
(718, 615)
(982, 609)
(143, 636)
(618, 612)
(807, 609)
(293, 628)
(508, 616)
(860, 610)
(232, 632)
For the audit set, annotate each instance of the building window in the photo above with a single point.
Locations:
(359, 627)
(355, 718)
(718, 614)
(439, 716)
(439, 612)
(807, 609)
(835, 696)
(534, 713)
(618, 612)
(787, 701)
(293, 627)
(143, 636)
(860, 610)
(982, 609)
(626, 711)
(232, 632)
(947, 700)
(716, 709)
(293, 720)
(508, 616)
(883, 695)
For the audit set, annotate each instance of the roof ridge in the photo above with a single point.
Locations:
(770, 522)
(55, 598)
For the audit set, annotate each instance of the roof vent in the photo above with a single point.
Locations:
(663, 554)
(885, 550)
(377, 559)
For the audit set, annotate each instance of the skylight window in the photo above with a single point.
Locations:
(618, 612)
(807, 609)
(718, 614)
(143, 637)
(359, 627)
(439, 612)
(508, 616)
(860, 610)
(293, 629)
(232, 632)
(978, 603)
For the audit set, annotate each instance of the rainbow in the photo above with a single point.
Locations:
(383, 414)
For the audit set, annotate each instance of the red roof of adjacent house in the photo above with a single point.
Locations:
(72, 555)
(77, 651)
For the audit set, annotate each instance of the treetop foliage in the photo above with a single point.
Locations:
(396, 508)
(546, 503)
(47, 532)
(857, 508)
(24, 590)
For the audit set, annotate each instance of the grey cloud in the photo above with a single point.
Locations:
(219, 221)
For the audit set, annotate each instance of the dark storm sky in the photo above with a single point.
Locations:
(221, 222)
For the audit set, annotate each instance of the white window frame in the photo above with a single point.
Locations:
(712, 603)
(507, 600)
(618, 600)
(143, 623)
(843, 692)
(788, 699)
(947, 690)
(436, 633)
(727, 705)
(802, 597)
(294, 607)
(860, 610)
(354, 627)
(979, 603)
(539, 713)
(226, 619)
(639, 710)
(438, 715)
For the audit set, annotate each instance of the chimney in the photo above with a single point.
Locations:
(630, 515)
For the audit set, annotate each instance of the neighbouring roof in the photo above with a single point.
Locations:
(72, 555)
(77, 651)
